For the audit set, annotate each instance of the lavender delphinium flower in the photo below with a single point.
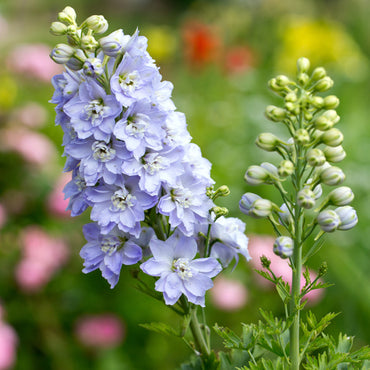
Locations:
(108, 252)
(173, 261)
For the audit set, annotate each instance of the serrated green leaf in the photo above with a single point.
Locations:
(283, 290)
(265, 275)
(344, 343)
(160, 327)
(231, 340)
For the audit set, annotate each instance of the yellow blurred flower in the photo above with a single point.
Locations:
(321, 42)
(8, 92)
(161, 42)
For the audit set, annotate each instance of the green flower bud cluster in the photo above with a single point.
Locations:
(309, 158)
(80, 38)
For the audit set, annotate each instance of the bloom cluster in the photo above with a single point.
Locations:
(309, 158)
(133, 162)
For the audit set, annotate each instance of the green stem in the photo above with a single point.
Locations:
(199, 341)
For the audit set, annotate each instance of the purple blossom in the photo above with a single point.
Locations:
(122, 205)
(108, 252)
(173, 261)
(186, 204)
(98, 159)
(176, 130)
(155, 169)
(93, 112)
(141, 128)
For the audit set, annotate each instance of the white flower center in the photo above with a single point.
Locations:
(130, 81)
(122, 199)
(80, 182)
(153, 163)
(137, 125)
(102, 152)
(182, 268)
(182, 197)
(109, 245)
(94, 110)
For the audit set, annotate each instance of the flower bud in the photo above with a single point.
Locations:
(283, 247)
(58, 29)
(341, 196)
(317, 102)
(318, 73)
(301, 136)
(93, 67)
(96, 23)
(348, 217)
(265, 262)
(285, 216)
(275, 114)
(286, 168)
(256, 175)
(261, 208)
(67, 15)
(324, 84)
(317, 191)
(220, 211)
(291, 97)
(246, 202)
(114, 43)
(303, 79)
(334, 154)
(222, 191)
(331, 102)
(323, 269)
(332, 137)
(328, 220)
(62, 53)
(282, 80)
(332, 176)
(273, 85)
(77, 61)
(303, 65)
(306, 198)
(327, 120)
(267, 141)
(89, 43)
(271, 170)
(315, 157)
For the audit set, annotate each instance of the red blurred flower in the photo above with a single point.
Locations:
(202, 44)
(238, 59)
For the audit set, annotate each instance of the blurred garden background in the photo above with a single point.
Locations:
(219, 55)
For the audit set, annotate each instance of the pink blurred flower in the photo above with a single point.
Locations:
(56, 202)
(8, 346)
(33, 60)
(100, 331)
(35, 148)
(31, 115)
(260, 245)
(43, 255)
(229, 295)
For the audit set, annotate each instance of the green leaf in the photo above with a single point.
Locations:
(265, 275)
(284, 290)
(162, 328)
(231, 340)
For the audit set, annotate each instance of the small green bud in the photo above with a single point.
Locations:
(282, 80)
(331, 102)
(67, 15)
(315, 157)
(62, 53)
(324, 84)
(58, 29)
(222, 191)
(265, 262)
(220, 211)
(332, 137)
(261, 208)
(96, 23)
(334, 154)
(332, 176)
(348, 217)
(318, 73)
(256, 175)
(275, 114)
(317, 102)
(341, 196)
(327, 120)
(286, 168)
(328, 220)
(306, 198)
(303, 79)
(267, 141)
(89, 43)
(273, 85)
(303, 65)
(292, 108)
(302, 137)
(283, 247)
(308, 116)
(323, 269)
(291, 97)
